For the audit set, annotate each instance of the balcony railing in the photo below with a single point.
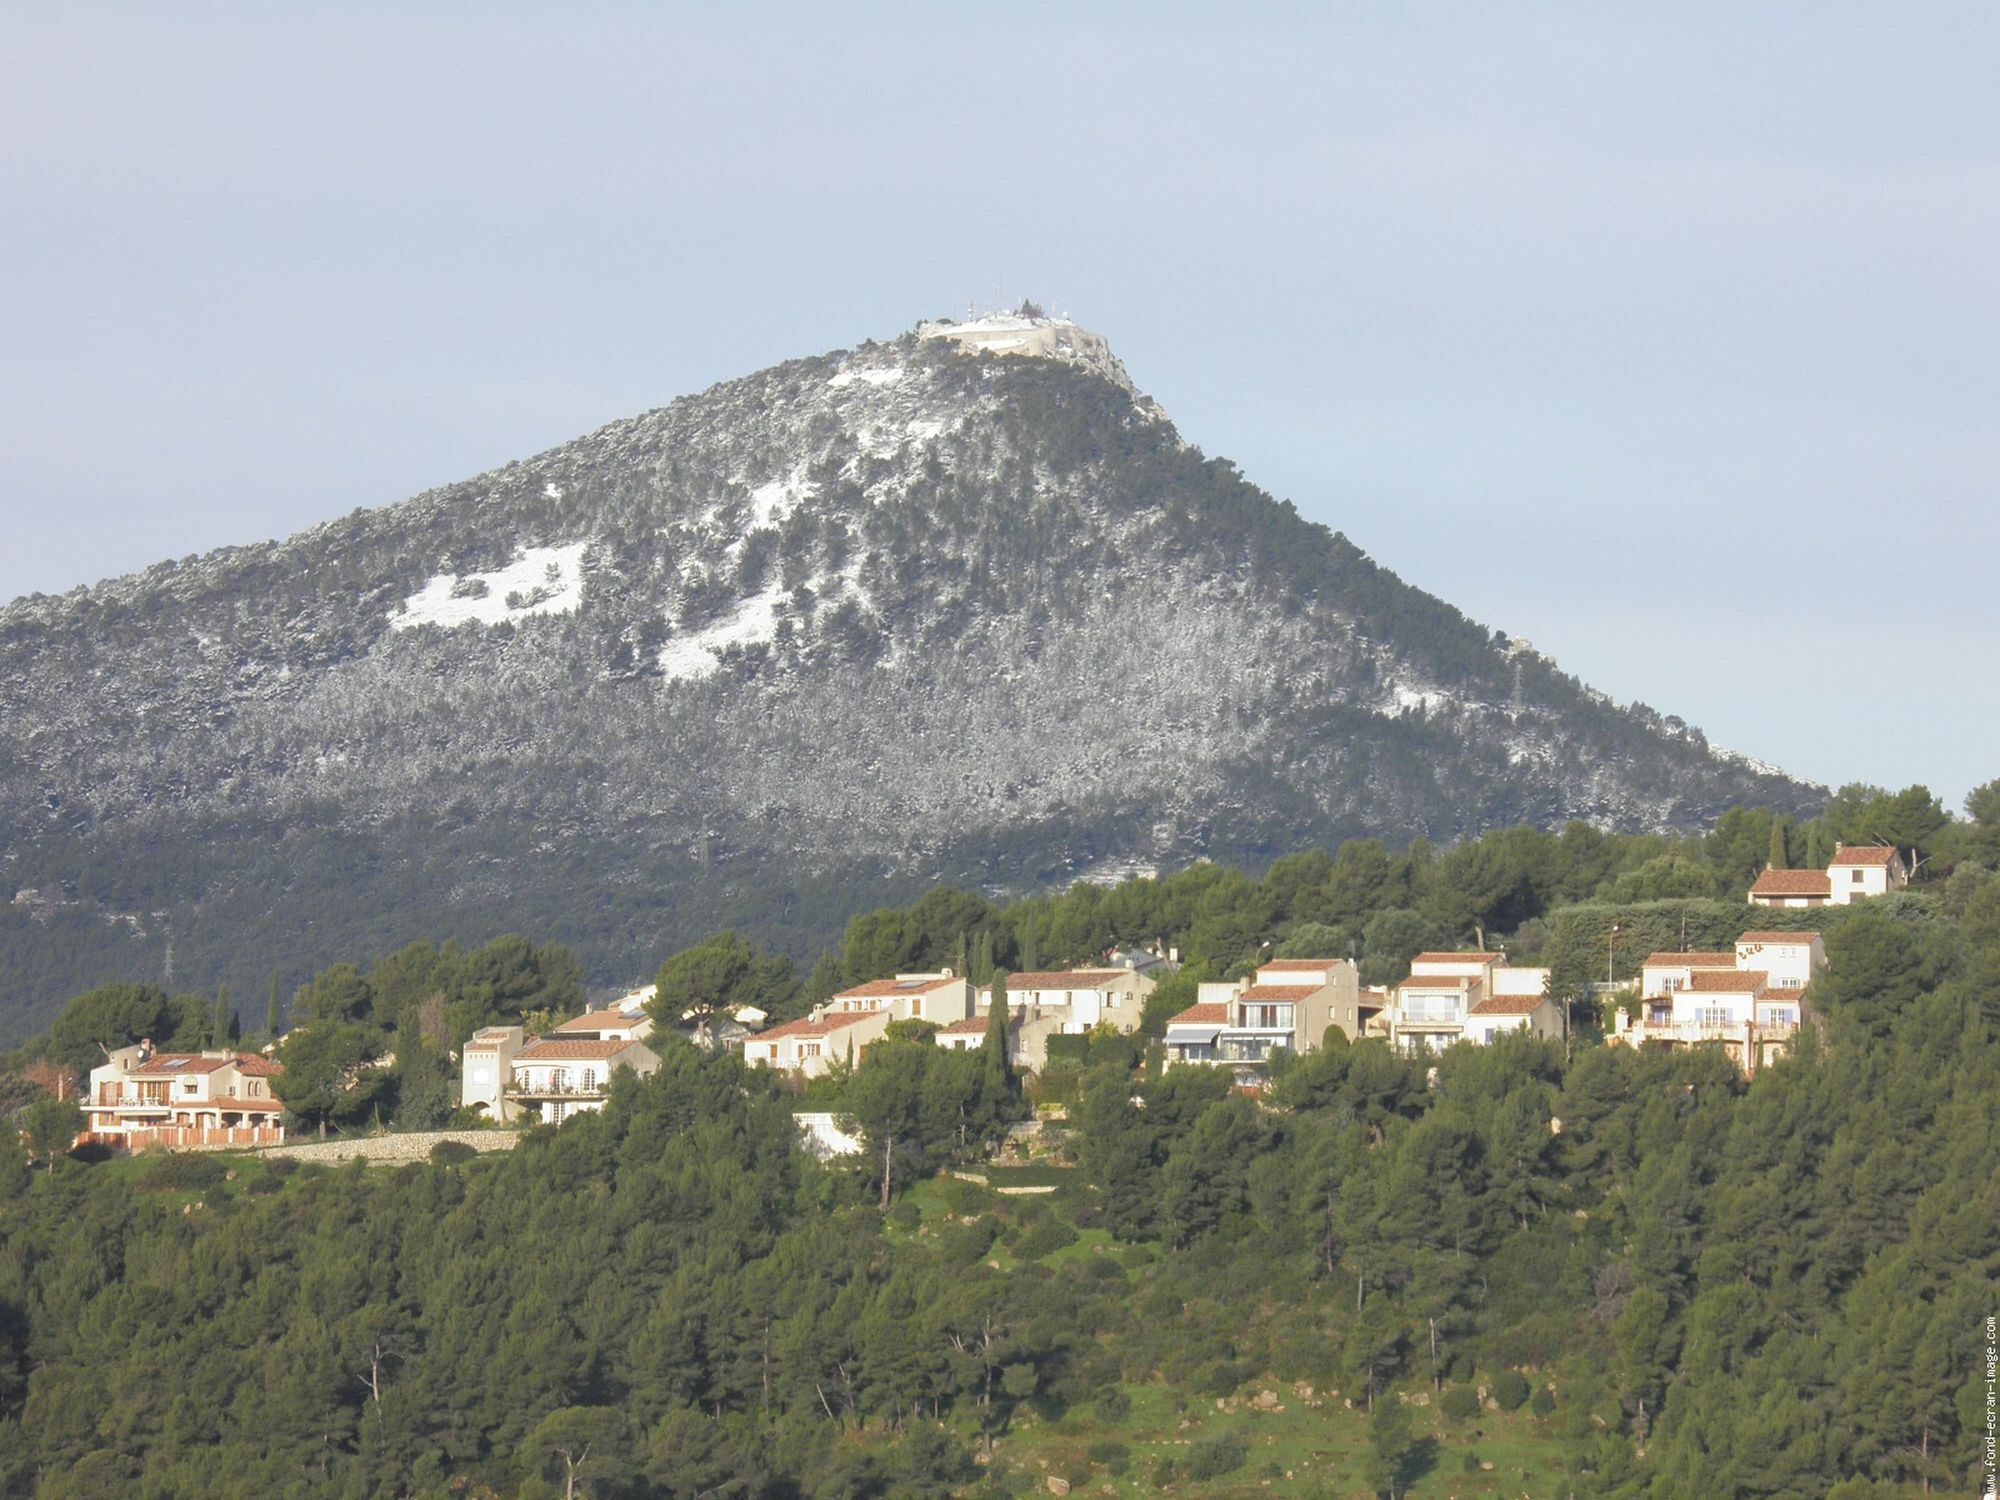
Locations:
(557, 1090)
(1701, 1031)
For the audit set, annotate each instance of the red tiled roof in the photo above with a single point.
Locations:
(1865, 854)
(1508, 1005)
(251, 1065)
(966, 1027)
(1691, 960)
(1458, 958)
(566, 1049)
(1282, 991)
(876, 989)
(1779, 939)
(1064, 979)
(1303, 965)
(817, 1026)
(1737, 982)
(1792, 883)
(179, 1064)
(1202, 1015)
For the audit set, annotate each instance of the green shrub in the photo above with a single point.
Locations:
(1221, 1378)
(1460, 1403)
(1043, 1237)
(905, 1215)
(1113, 1403)
(1510, 1389)
(1164, 1469)
(1542, 1402)
(1212, 1457)
(1460, 1371)
(1115, 1457)
(182, 1172)
(1471, 1464)
(452, 1153)
(962, 1197)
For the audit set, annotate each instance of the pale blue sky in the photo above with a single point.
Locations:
(1669, 341)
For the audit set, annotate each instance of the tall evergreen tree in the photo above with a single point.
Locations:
(1778, 859)
(272, 1010)
(219, 1032)
(998, 1074)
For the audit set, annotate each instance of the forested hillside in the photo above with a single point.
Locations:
(1504, 1271)
(809, 641)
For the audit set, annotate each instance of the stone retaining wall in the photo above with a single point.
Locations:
(416, 1146)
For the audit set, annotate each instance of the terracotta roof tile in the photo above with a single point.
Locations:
(1508, 1005)
(567, 1049)
(1458, 958)
(1691, 960)
(817, 1026)
(1064, 979)
(178, 1064)
(1737, 982)
(1303, 965)
(1865, 854)
(966, 1027)
(1282, 991)
(252, 1065)
(1216, 1013)
(1779, 939)
(1792, 883)
(878, 989)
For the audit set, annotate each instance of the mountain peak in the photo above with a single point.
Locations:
(1036, 335)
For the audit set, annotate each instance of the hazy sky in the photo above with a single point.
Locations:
(1668, 341)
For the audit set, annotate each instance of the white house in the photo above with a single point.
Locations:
(1083, 998)
(1749, 1002)
(1288, 1006)
(1856, 873)
(810, 1046)
(1861, 871)
(564, 1076)
(942, 997)
(1469, 997)
(626, 1021)
(140, 1099)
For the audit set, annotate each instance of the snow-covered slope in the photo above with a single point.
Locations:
(960, 605)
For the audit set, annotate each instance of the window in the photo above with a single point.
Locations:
(1268, 1017)
(589, 1079)
(1711, 1016)
(1857, 877)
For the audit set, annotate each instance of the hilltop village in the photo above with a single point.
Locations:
(1747, 1002)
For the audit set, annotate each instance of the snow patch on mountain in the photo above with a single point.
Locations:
(540, 581)
(753, 622)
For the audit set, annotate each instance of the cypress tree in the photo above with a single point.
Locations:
(271, 1011)
(220, 1030)
(993, 1049)
(1778, 859)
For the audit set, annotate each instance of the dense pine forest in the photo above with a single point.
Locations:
(1517, 1269)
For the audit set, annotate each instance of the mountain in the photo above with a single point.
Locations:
(963, 605)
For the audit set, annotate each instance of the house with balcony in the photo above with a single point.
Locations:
(1856, 873)
(140, 1100)
(813, 1044)
(942, 997)
(1069, 1002)
(555, 1077)
(1288, 1005)
(625, 1021)
(1469, 997)
(1748, 1002)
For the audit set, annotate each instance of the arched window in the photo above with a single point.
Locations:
(589, 1079)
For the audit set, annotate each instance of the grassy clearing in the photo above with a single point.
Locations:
(1298, 1443)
